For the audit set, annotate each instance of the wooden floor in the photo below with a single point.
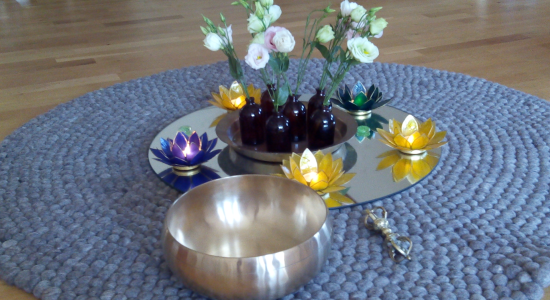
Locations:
(52, 51)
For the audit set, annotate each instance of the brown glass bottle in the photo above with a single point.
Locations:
(296, 113)
(315, 102)
(251, 123)
(321, 128)
(266, 102)
(277, 133)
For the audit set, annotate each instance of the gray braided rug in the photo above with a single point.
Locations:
(81, 211)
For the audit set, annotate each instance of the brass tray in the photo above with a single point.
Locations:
(228, 131)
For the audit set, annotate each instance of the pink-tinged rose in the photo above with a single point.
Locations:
(257, 56)
(379, 35)
(268, 37)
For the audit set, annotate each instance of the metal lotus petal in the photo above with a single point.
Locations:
(209, 155)
(378, 104)
(181, 140)
(410, 125)
(348, 96)
(165, 145)
(358, 88)
(178, 152)
(160, 156)
(195, 139)
(350, 106)
(337, 102)
(197, 157)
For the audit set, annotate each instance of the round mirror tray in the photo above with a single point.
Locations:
(380, 170)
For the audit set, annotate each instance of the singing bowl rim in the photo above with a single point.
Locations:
(325, 221)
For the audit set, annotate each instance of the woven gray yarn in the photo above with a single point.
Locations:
(81, 211)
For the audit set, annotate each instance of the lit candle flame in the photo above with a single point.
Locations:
(187, 150)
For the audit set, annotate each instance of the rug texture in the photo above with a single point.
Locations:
(81, 211)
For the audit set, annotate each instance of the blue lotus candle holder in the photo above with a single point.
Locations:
(185, 153)
(358, 101)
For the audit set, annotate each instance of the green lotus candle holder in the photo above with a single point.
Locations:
(358, 100)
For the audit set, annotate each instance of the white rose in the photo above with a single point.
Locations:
(255, 25)
(325, 34)
(362, 50)
(266, 3)
(257, 56)
(272, 14)
(358, 13)
(259, 38)
(346, 7)
(213, 42)
(284, 41)
(378, 25)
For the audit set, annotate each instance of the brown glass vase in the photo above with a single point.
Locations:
(296, 113)
(266, 102)
(315, 102)
(321, 128)
(277, 133)
(251, 122)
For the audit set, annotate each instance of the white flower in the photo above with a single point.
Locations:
(255, 25)
(358, 13)
(378, 25)
(266, 3)
(346, 7)
(272, 14)
(284, 41)
(325, 34)
(260, 11)
(362, 50)
(257, 56)
(229, 34)
(213, 42)
(259, 38)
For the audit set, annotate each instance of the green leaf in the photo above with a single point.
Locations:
(324, 51)
(282, 94)
(284, 64)
(342, 55)
(275, 64)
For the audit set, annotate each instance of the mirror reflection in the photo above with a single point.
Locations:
(367, 125)
(412, 167)
(185, 183)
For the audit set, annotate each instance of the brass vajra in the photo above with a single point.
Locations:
(394, 241)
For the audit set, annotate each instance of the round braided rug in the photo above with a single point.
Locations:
(81, 211)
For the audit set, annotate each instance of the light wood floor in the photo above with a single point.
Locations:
(52, 51)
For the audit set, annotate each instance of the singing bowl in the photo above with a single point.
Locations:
(247, 237)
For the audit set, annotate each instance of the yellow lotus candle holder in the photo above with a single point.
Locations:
(321, 173)
(412, 167)
(412, 137)
(234, 97)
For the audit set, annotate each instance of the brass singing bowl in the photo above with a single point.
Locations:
(247, 237)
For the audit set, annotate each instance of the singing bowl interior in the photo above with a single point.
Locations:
(246, 216)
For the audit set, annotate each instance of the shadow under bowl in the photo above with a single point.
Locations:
(247, 237)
